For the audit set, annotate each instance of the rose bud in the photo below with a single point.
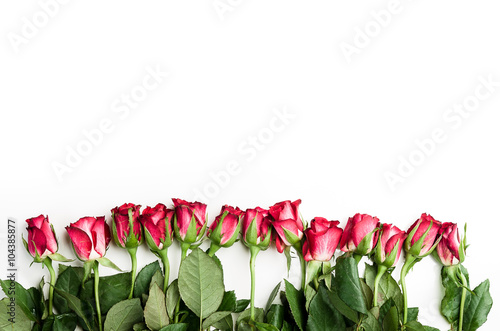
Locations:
(322, 239)
(42, 240)
(189, 220)
(360, 234)
(90, 237)
(389, 246)
(125, 218)
(256, 228)
(450, 250)
(157, 223)
(422, 236)
(224, 230)
(287, 223)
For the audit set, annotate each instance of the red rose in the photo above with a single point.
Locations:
(287, 223)
(90, 237)
(322, 239)
(422, 236)
(256, 228)
(450, 250)
(157, 223)
(389, 246)
(126, 217)
(225, 228)
(41, 238)
(189, 220)
(360, 234)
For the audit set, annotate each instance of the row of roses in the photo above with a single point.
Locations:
(315, 245)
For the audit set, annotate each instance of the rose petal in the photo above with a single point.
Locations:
(81, 242)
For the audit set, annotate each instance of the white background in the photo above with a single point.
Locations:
(352, 119)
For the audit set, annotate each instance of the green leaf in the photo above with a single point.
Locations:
(265, 327)
(412, 314)
(309, 293)
(224, 324)
(228, 302)
(157, 279)
(348, 285)
(112, 289)
(477, 310)
(172, 297)
(23, 298)
(107, 263)
(273, 295)
(155, 312)
(391, 320)
(414, 326)
(62, 322)
(214, 318)
(275, 315)
(450, 304)
(242, 321)
(58, 257)
(322, 317)
(388, 287)
(370, 323)
(367, 293)
(143, 279)
(22, 322)
(81, 307)
(297, 302)
(430, 328)
(201, 283)
(175, 327)
(241, 305)
(69, 282)
(124, 315)
(332, 299)
(140, 326)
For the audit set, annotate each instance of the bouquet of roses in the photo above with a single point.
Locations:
(333, 295)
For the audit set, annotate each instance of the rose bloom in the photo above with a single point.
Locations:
(322, 239)
(41, 237)
(90, 237)
(260, 233)
(358, 227)
(226, 234)
(389, 246)
(185, 213)
(121, 222)
(448, 249)
(421, 225)
(285, 215)
(157, 223)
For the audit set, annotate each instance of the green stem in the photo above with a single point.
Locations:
(381, 271)
(48, 263)
(254, 250)
(410, 259)
(462, 300)
(133, 257)
(303, 264)
(166, 267)
(213, 249)
(96, 293)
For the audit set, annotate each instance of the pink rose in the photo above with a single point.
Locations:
(422, 236)
(157, 223)
(322, 239)
(256, 228)
(90, 237)
(389, 246)
(287, 223)
(225, 228)
(360, 234)
(41, 238)
(189, 220)
(450, 249)
(125, 218)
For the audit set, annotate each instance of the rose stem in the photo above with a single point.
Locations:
(133, 257)
(254, 250)
(409, 261)
(298, 249)
(48, 263)
(166, 268)
(96, 293)
(462, 300)
(213, 249)
(381, 271)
